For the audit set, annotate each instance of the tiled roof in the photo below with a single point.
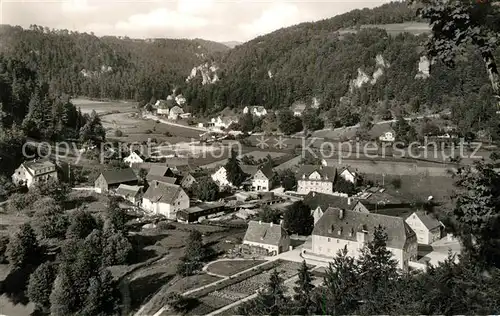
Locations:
(119, 176)
(128, 190)
(162, 192)
(323, 200)
(267, 171)
(327, 173)
(171, 180)
(264, 233)
(157, 170)
(342, 224)
(429, 221)
(250, 170)
(36, 165)
(177, 110)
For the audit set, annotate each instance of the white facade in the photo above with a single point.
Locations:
(164, 111)
(329, 246)
(348, 176)
(425, 235)
(388, 137)
(314, 183)
(132, 159)
(255, 111)
(220, 177)
(28, 176)
(180, 99)
(260, 182)
(219, 123)
(169, 210)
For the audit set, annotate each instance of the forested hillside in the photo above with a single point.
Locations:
(106, 67)
(314, 60)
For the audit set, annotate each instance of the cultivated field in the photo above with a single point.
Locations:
(231, 267)
(87, 106)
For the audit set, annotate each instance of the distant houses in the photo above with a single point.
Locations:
(175, 113)
(222, 123)
(111, 179)
(298, 108)
(220, 176)
(258, 111)
(31, 172)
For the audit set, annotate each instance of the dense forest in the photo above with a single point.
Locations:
(105, 67)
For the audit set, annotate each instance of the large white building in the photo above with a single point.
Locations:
(258, 111)
(262, 179)
(220, 176)
(315, 178)
(165, 199)
(32, 172)
(338, 229)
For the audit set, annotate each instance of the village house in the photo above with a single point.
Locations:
(383, 132)
(187, 181)
(131, 193)
(160, 171)
(338, 229)
(298, 107)
(220, 176)
(175, 112)
(111, 179)
(34, 171)
(315, 178)
(266, 236)
(162, 107)
(165, 199)
(180, 99)
(222, 123)
(320, 202)
(261, 180)
(349, 175)
(427, 228)
(136, 157)
(258, 111)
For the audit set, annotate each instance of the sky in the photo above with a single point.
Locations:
(217, 20)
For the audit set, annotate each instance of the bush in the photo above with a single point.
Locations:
(167, 134)
(118, 133)
(164, 225)
(4, 241)
(148, 131)
(396, 183)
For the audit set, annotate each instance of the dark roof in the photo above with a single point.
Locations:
(128, 190)
(162, 192)
(323, 200)
(429, 221)
(119, 176)
(250, 170)
(158, 170)
(351, 222)
(264, 233)
(161, 179)
(327, 173)
(39, 164)
(204, 207)
(267, 171)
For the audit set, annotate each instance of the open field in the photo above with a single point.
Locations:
(230, 267)
(415, 28)
(256, 154)
(87, 106)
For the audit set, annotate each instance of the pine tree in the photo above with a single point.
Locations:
(303, 291)
(63, 298)
(23, 248)
(234, 174)
(271, 301)
(379, 270)
(102, 298)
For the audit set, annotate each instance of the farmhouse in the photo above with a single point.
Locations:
(111, 179)
(160, 171)
(427, 228)
(258, 111)
(268, 236)
(338, 229)
(162, 107)
(261, 180)
(187, 181)
(168, 180)
(175, 112)
(165, 199)
(130, 193)
(315, 178)
(349, 175)
(221, 123)
(383, 132)
(298, 108)
(34, 171)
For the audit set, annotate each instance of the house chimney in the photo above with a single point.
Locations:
(341, 214)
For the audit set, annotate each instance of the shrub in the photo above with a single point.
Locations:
(167, 134)
(396, 183)
(148, 131)
(118, 133)
(4, 241)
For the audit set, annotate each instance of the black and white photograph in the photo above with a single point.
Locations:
(249, 157)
